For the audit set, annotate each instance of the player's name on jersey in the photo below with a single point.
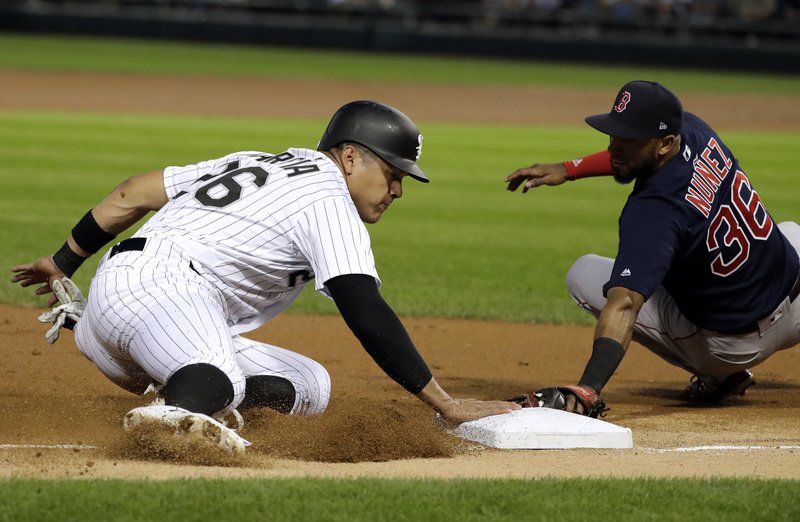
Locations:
(707, 177)
(287, 162)
(292, 168)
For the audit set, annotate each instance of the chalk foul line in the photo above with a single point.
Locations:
(688, 449)
(719, 448)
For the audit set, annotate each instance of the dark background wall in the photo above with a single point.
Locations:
(759, 35)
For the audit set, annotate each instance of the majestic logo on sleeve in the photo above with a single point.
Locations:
(622, 104)
(419, 147)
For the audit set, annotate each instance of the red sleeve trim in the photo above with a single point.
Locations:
(598, 164)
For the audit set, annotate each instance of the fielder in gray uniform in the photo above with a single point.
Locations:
(232, 244)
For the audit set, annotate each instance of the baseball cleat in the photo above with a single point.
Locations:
(183, 422)
(706, 389)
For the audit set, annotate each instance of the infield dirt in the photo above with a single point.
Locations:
(52, 395)
(254, 97)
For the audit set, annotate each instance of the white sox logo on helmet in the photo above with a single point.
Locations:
(419, 147)
(622, 104)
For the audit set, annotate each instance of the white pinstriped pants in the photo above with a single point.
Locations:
(149, 315)
(665, 331)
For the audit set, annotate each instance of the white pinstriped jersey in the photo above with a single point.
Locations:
(259, 226)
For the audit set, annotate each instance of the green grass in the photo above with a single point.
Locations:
(461, 246)
(62, 53)
(374, 499)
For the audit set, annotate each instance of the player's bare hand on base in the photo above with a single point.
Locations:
(43, 270)
(463, 410)
(536, 175)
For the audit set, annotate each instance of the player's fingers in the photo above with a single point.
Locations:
(29, 282)
(52, 300)
(517, 174)
(537, 181)
(515, 183)
(42, 290)
(22, 276)
(532, 183)
(515, 179)
(496, 408)
(22, 268)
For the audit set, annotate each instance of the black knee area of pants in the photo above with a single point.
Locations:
(200, 388)
(269, 391)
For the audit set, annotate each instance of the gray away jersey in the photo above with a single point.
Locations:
(259, 226)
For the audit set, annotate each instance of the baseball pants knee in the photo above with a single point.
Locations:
(152, 316)
(661, 327)
(311, 382)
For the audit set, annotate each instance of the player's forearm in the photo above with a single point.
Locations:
(434, 396)
(130, 201)
(597, 164)
(619, 315)
(612, 337)
(385, 339)
(380, 331)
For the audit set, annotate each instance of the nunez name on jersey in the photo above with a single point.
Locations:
(259, 226)
(709, 172)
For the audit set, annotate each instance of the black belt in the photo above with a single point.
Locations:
(127, 245)
(135, 244)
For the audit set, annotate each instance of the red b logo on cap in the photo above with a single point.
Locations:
(623, 101)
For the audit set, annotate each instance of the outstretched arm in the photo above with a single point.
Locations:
(383, 336)
(538, 174)
(125, 205)
(612, 336)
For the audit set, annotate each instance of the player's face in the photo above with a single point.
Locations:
(373, 185)
(633, 158)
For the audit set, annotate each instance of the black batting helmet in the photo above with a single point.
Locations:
(382, 129)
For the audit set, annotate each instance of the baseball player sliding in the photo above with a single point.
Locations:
(233, 242)
(703, 277)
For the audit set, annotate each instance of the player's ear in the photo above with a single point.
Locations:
(665, 144)
(348, 155)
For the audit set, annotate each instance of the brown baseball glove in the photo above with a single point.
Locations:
(556, 397)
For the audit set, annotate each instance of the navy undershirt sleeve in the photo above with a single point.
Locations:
(649, 231)
(381, 333)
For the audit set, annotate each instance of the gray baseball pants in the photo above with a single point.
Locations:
(665, 331)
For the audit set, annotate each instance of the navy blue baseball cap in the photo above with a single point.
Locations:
(641, 110)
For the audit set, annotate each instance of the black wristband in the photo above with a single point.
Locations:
(89, 236)
(67, 261)
(606, 356)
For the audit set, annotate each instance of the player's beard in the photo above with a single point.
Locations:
(644, 169)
